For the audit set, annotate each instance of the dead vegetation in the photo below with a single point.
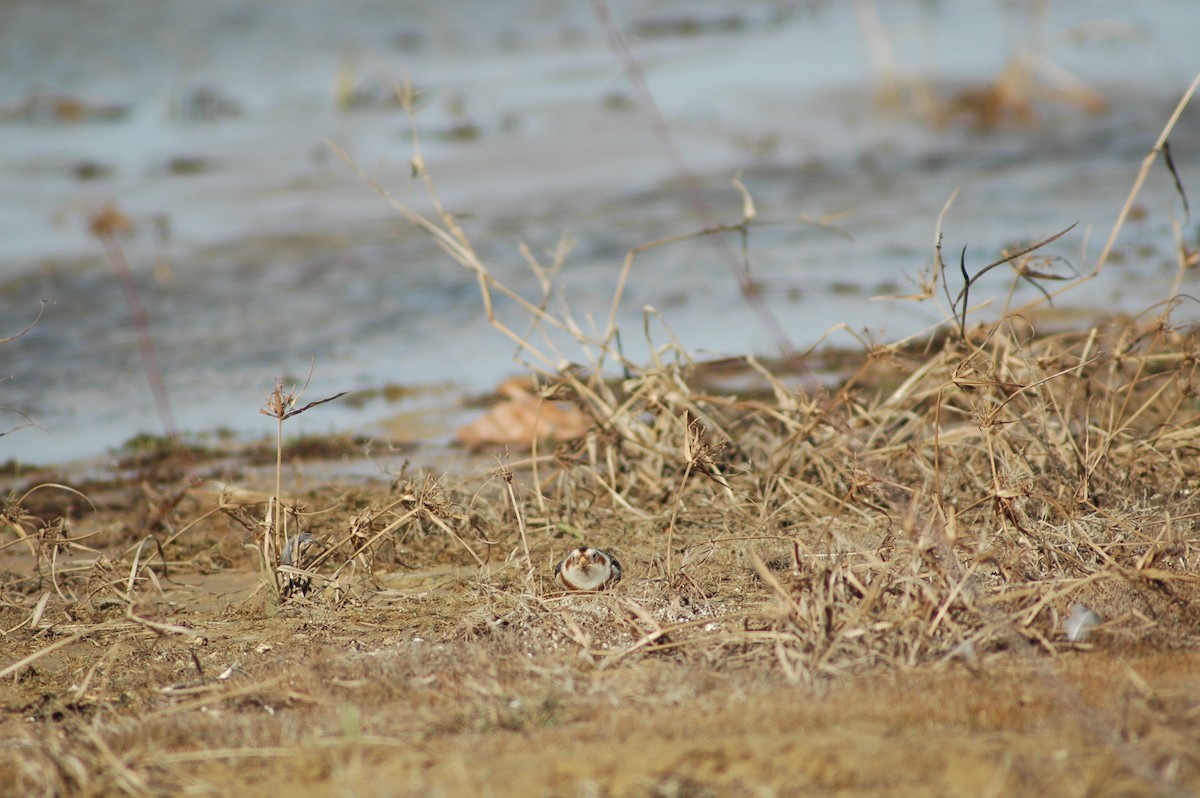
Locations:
(989, 530)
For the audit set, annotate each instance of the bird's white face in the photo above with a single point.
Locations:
(588, 569)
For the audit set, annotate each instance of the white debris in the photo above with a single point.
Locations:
(1080, 623)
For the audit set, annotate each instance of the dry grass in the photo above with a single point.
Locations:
(893, 558)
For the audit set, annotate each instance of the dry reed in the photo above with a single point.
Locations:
(948, 504)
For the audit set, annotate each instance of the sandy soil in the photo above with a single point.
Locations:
(439, 678)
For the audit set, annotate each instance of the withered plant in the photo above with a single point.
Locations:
(995, 494)
(951, 498)
(275, 540)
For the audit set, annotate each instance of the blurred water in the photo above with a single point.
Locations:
(257, 250)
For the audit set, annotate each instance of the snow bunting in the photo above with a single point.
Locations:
(588, 569)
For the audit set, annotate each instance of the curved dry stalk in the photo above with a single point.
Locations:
(1147, 162)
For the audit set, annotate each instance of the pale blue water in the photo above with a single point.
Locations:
(277, 253)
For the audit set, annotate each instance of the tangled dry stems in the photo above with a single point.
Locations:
(947, 501)
(947, 506)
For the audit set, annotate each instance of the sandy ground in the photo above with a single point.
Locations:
(440, 679)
